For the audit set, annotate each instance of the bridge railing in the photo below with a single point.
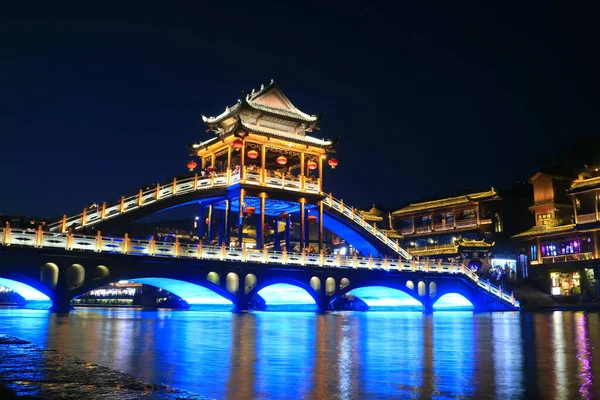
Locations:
(152, 248)
(357, 218)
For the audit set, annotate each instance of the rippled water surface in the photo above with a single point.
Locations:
(334, 356)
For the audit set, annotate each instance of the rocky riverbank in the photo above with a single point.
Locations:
(31, 371)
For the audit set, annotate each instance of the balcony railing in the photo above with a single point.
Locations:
(567, 258)
(464, 223)
(151, 248)
(586, 218)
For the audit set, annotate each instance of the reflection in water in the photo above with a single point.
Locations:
(333, 356)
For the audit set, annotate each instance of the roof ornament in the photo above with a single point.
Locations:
(252, 91)
(272, 81)
(262, 86)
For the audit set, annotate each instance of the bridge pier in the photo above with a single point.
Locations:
(240, 303)
(323, 301)
(149, 297)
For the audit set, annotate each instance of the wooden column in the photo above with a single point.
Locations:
(276, 241)
(226, 222)
(302, 222)
(302, 171)
(210, 229)
(201, 223)
(574, 208)
(288, 245)
(221, 227)
(262, 220)
(320, 174)
(596, 205)
(538, 246)
(596, 246)
(241, 217)
(320, 225)
(242, 166)
(229, 158)
(478, 216)
(263, 162)
(414, 229)
(213, 160)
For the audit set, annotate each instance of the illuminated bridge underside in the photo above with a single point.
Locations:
(27, 292)
(191, 293)
(379, 296)
(352, 236)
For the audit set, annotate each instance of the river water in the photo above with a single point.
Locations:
(346, 355)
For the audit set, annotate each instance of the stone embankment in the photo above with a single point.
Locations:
(31, 371)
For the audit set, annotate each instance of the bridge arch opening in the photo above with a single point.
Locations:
(432, 289)
(49, 275)
(160, 292)
(421, 288)
(26, 295)
(283, 297)
(330, 286)
(101, 271)
(75, 276)
(344, 283)
(232, 282)
(380, 298)
(315, 284)
(249, 283)
(213, 277)
(410, 285)
(453, 302)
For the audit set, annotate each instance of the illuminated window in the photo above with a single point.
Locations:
(533, 252)
(544, 219)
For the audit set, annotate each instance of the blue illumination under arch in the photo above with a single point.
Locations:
(453, 302)
(385, 298)
(193, 294)
(29, 293)
(286, 297)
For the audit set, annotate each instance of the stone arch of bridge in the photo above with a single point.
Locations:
(27, 288)
(399, 285)
(167, 284)
(261, 284)
(455, 286)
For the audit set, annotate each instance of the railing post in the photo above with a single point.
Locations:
(244, 253)
(39, 236)
(152, 246)
(157, 191)
(223, 252)
(98, 241)
(512, 297)
(342, 206)
(339, 259)
(83, 216)
(331, 200)
(414, 265)
(374, 229)
(7, 234)
(103, 213)
(352, 213)
(385, 262)
(284, 255)
(63, 228)
(70, 239)
(122, 205)
(370, 261)
(265, 254)
(174, 189)
(427, 265)
(196, 181)
(140, 199)
(126, 244)
(303, 256)
(176, 246)
(200, 249)
(354, 261)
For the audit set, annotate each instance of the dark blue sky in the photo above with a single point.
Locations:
(426, 99)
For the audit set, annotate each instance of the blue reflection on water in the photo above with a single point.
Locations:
(453, 301)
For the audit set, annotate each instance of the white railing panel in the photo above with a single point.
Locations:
(112, 245)
(54, 240)
(275, 258)
(80, 242)
(211, 253)
(139, 247)
(234, 254)
(311, 187)
(254, 256)
(22, 237)
(313, 259)
(295, 259)
(164, 249)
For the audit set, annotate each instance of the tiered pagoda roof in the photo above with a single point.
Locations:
(373, 215)
(447, 202)
(584, 185)
(269, 112)
(543, 230)
(445, 249)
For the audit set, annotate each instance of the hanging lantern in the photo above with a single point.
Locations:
(207, 221)
(211, 169)
(281, 160)
(312, 219)
(237, 144)
(192, 165)
(252, 154)
(284, 215)
(332, 163)
(250, 210)
(311, 165)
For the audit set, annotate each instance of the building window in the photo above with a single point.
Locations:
(544, 219)
(565, 283)
(533, 252)
(564, 247)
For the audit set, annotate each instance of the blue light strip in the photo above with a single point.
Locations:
(453, 301)
(380, 296)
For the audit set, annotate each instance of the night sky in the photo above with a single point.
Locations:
(95, 103)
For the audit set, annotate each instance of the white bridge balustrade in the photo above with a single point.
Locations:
(352, 215)
(135, 247)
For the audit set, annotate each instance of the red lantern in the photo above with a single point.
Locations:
(281, 160)
(312, 219)
(284, 215)
(332, 163)
(250, 210)
(252, 154)
(311, 165)
(211, 169)
(192, 165)
(237, 144)
(207, 221)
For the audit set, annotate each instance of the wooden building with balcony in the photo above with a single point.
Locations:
(563, 247)
(459, 227)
